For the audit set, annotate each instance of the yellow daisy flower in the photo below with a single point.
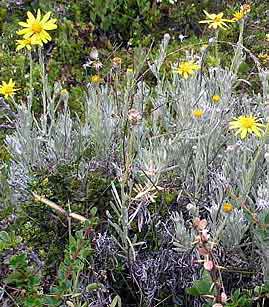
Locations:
(216, 98)
(238, 15)
(130, 70)
(247, 124)
(198, 113)
(8, 89)
(244, 10)
(96, 79)
(64, 92)
(215, 20)
(116, 61)
(227, 207)
(24, 43)
(37, 27)
(264, 57)
(187, 69)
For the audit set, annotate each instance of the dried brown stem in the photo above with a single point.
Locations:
(59, 209)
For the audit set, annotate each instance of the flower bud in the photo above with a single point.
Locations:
(227, 207)
(116, 62)
(134, 116)
(266, 156)
(223, 297)
(208, 265)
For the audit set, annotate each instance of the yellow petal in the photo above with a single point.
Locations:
(50, 22)
(244, 133)
(46, 17)
(28, 34)
(23, 31)
(256, 131)
(235, 125)
(47, 35)
(48, 26)
(38, 17)
(30, 16)
(19, 47)
(36, 40)
(207, 14)
(24, 24)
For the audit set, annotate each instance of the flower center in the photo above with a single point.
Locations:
(217, 19)
(8, 89)
(186, 68)
(247, 122)
(36, 27)
(238, 15)
(216, 98)
(198, 113)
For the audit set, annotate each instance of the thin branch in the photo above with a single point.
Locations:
(59, 209)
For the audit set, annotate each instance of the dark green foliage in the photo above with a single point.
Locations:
(239, 299)
(24, 277)
(8, 240)
(77, 256)
(201, 287)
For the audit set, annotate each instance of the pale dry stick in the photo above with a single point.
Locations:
(59, 209)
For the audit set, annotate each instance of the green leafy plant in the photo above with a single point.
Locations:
(239, 299)
(77, 255)
(139, 15)
(8, 240)
(26, 279)
(200, 287)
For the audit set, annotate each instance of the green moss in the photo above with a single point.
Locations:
(4, 154)
(3, 14)
(43, 231)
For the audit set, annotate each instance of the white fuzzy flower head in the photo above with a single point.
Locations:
(166, 37)
(190, 207)
(181, 37)
(212, 40)
(266, 156)
(232, 147)
(94, 54)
